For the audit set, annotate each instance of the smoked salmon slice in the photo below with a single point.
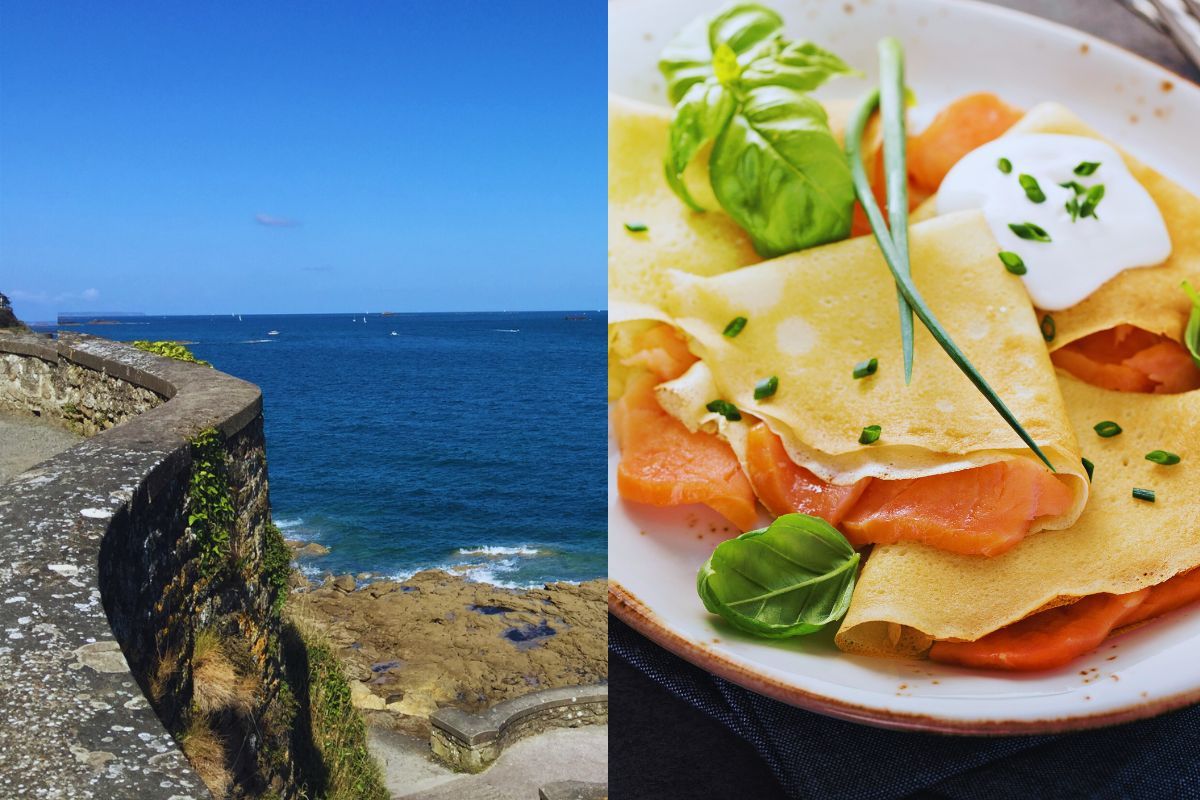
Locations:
(665, 464)
(662, 351)
(962, 126)
(1167, 596)
(1047, 639)
(785, 487)
(1129, 359)
(1056, 637)
(981, 511)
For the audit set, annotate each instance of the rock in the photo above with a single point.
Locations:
(449, 633)
(345, 583)
(362, 697)
(380, 588)
(297, 580)
(307, 549)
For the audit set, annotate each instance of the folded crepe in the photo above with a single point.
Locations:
(812, 316)
(1148, 298)
(676, 238)
(908, 596)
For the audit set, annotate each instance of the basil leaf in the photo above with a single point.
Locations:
(802, 66)
(747, 28)
(1191, 335)
(789, 579)
(778, 171)
(699, 117)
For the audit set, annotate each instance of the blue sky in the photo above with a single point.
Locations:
(224, 157)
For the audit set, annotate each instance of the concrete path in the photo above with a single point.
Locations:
(561, 754)
(28, 440)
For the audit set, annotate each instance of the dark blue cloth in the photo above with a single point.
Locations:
(813, 756)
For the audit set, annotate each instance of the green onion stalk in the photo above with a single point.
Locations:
(894, 243)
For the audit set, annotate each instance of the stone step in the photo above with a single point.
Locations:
(573, 790)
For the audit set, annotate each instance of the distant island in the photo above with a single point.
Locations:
(96, 317)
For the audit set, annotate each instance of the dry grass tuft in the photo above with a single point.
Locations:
(206, 750)
(216, 685)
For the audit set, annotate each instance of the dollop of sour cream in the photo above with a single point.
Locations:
(1127, 230)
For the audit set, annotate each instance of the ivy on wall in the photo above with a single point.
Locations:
(169, 349)
(209, 501)
(277, 566)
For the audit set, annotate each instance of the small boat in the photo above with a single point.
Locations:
(393, 333)
(239, 317)
(272, 333)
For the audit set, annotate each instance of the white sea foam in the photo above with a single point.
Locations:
(498, 550)
(288, 524)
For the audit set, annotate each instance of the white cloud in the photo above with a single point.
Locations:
(275, 222)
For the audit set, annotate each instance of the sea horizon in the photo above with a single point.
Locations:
(500, 495)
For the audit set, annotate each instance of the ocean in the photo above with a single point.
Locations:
(474, 442)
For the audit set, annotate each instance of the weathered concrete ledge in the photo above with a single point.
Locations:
(471, 742)
(86, 537)
(573, 790)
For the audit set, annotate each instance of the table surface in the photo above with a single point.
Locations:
(662, 748)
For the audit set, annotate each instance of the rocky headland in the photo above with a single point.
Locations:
(437, 639)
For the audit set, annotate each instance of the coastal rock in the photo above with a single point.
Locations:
(362, 697)
(296, 580)
(438, 639)
(345, 583)
(307, 549)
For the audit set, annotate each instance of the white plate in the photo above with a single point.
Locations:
(953, 48)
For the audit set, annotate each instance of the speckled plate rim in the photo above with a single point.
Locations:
(629, 608)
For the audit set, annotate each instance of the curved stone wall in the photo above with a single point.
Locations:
(100, 597)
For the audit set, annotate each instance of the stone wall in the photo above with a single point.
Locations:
(101, 594)
(84, 400)
(471, 742)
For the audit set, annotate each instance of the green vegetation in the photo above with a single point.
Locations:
(209, 501)
(171, 350)
(789, 579)
(329, 740)
(277, 566)
(775, 166)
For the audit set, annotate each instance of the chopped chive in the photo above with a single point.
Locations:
(1072, 207)
(864, 368)
(1086, 168)
(1088, 467)
(1075, 186)
(1004, 165)
(766, 387)
(1090, 200)
(1162, 457)
(1048, 328)
(1144, 494)
(891, 57)
(1032, 190)
(636, 227)
(1027, 230)
(1191, 334)
(735, 326)
(870, 434)
(725, 409)
(1012, 262)
(1106, 429)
